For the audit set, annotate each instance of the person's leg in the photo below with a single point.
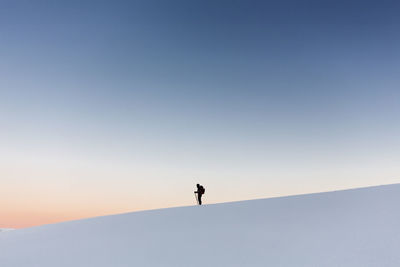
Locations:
(199, 198)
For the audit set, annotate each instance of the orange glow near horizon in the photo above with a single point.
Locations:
(34, 208)
(32, 197)
(23, 218)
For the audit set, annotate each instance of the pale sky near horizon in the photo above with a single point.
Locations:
(116, 106)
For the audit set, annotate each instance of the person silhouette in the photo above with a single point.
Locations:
(200, 191)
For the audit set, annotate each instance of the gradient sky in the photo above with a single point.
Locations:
(116, 106)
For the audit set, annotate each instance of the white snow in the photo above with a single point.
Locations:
(5, 229)
(359, 227)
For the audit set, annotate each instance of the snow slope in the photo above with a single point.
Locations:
(359, 227)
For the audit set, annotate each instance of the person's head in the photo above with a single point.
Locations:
(198, 185)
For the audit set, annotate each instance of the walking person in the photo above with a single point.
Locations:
(200, 191)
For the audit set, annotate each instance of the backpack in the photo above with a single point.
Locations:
(202, 190)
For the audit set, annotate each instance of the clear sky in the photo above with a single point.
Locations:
(116, 106)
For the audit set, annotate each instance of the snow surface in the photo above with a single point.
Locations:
(359, 227)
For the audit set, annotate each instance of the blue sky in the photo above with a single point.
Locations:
(136, 101)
